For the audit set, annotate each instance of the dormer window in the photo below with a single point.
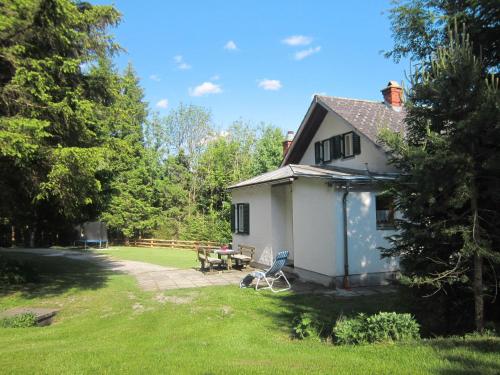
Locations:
(326, 150)
(340, 146)
(348, 150)
(351, 145)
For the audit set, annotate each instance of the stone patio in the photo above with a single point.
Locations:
(154, 278)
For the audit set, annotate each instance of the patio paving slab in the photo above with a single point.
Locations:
(152, 277)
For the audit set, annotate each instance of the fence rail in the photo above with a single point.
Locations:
(178, 244)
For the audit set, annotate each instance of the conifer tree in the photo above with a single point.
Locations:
(449, 190)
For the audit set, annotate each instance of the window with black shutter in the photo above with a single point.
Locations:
(326, 150)
(347, 149)
(242, 218)
(356, 144)
(246, 218)
(336, 147)
(318, 157)
(233, 218)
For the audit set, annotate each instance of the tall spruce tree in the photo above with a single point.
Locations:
(130, 209)
(51, 126)
(449, 191)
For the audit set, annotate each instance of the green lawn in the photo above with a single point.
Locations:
(107, 325)
(162, 256)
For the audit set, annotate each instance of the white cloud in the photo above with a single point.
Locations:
(154, 77)
(306, 52)
(230, 45)
(163, 103)
(297, 40)
(215, 77)
(181, 64)
(205, 88)
(270, 84)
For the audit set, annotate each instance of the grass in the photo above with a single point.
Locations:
(107, 325)
(168, 257)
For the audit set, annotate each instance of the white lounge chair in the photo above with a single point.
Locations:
(269, 276)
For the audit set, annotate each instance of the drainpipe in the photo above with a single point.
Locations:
(345, 281)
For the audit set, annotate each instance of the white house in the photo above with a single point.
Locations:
(325, 203)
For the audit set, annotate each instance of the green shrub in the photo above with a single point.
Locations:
(304, 326)
(384, 326)
(19, 321)
(15, 272)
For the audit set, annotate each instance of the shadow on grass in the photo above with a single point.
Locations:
(463, 355)
(54, 275)
(476, 355)
(326, 308)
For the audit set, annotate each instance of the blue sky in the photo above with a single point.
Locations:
(256, 60)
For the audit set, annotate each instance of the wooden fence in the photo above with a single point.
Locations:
(178, 244)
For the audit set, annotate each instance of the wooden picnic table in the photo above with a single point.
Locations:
(228, 253)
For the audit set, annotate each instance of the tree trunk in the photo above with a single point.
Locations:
(32, 236)
(478, 292)
(477, 284)
(13, 236)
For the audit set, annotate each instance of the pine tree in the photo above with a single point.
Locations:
(449, 191)
(130, 210)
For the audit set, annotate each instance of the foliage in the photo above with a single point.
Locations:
(304, 326)
(52, 110)
(77, 142)
(268, 150)
(15, 272)
(25, 320)
(448, 191)
(420, 27)
(381, 327)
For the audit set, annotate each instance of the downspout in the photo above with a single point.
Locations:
(345, 282)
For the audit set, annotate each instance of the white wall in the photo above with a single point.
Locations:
(363, 236)
(370, 153)
(314, 226)
(259, 199)
(282, 219)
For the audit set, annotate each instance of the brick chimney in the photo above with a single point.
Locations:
(288, 141)
(393, 95)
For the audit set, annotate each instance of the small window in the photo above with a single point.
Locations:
(318, 152)
(348, 150)
(384, 205)
(326, 151)
(240, 218)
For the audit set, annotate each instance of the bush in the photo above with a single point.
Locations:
(19, 321)
(14, 272)
(384, 326)
(304, 326)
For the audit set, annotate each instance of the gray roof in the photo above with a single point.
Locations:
(369, 117)
(291, 171)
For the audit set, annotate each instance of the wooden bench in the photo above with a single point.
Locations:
(244, 256)
(206, 260)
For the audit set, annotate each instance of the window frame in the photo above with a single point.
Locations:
(351, 134)
(240, 225)
(390, 224)
(327, 157)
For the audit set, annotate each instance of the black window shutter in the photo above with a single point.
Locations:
(233, 218)
(246, 218)
(356, 144)
(317, 153)
(337, 147)
(332, 148)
